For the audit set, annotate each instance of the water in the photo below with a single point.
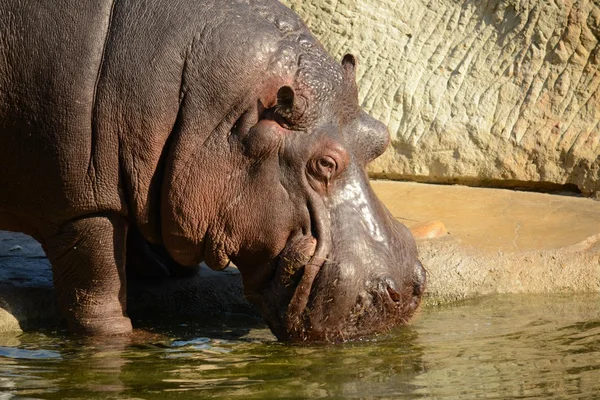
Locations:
(501, 347)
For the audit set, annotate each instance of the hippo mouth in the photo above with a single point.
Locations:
(299, 264)
(307, 300)
(284, 299)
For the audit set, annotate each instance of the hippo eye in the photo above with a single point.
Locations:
(324, 167)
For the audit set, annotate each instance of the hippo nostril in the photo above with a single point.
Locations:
(419, 279)
(392, 290)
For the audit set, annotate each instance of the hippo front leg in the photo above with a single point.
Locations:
(88, 264)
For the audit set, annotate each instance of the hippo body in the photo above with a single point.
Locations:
(215, 130)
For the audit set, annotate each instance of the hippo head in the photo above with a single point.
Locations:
(320, 255)
(347, 267)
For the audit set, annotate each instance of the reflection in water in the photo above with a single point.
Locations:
(499, 347)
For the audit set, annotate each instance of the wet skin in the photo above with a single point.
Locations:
(214, 131)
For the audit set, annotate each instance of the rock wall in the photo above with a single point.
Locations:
(497, 92)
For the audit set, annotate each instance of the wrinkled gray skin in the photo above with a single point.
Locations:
(215, 130)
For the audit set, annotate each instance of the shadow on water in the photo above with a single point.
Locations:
(500, 347)
(215, 358)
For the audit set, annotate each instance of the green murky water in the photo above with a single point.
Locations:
(500, 347)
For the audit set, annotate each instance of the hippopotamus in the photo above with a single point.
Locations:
(218, 131)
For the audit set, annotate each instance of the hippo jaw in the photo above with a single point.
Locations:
(311, 299)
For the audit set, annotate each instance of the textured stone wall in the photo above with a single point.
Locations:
(497, 92)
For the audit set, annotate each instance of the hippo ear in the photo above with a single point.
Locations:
(285, 98)
(290, 106)
(349, 65)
